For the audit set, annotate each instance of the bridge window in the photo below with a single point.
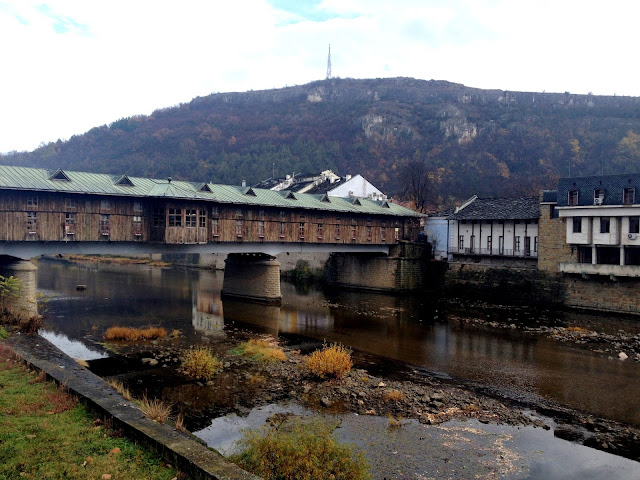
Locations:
(137, 226)
(215, 211)
(239, 212)
(261, 228)
(175, 217)
(215, 227)
(517, 249)
(104, 225)
(353, 229)
(369, 234)
(282, 214)
(261, 212)
(191, 218)
(70, 203)
(383, 234)
(396, 234)
(337, 231)
(460, 242)
(301, 230)
(137, 206)
(634, 224)
(159, 219)
(105, 205)
(202, 219)
(605, 224)
(320, 230)
(32, 201)
(32, 222)
(239, 228)
(69, 223)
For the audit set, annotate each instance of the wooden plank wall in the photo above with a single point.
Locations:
(234, 224)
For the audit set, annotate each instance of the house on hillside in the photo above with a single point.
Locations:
(496, 231)
(325, 182)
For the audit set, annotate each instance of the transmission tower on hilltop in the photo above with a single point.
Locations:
(329, 64)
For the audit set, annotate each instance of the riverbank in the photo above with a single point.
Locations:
(46, 432)
(245, 384)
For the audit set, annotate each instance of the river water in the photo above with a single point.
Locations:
(427, 337)
(401, 337)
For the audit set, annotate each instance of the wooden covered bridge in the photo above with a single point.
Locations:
(58, 212)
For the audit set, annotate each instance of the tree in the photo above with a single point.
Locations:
(418, 181)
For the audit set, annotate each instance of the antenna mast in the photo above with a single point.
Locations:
(329, 64)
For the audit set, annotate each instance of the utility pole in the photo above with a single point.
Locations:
(329, 64)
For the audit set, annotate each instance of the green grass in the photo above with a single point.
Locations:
(46, 433)
(302, 451)
(260, 351)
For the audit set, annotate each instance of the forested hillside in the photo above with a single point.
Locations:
(447, 140)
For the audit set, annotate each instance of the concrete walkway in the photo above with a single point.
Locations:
(177, 448)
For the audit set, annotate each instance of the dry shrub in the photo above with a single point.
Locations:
(332, 361)
(42, 376)
(31, 325)
(578, 329)
(121, 389)
(261, 350)
(394, 422)
(126, 333)
(200, 363)
(155, 409)
(393, 396)
(180, 423)
(300, 450)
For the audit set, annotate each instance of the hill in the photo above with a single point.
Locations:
(447, 139)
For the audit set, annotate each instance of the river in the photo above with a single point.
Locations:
(412, 330)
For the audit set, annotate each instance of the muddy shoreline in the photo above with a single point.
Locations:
(403, 392)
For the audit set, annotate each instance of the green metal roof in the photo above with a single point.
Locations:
(39, 179)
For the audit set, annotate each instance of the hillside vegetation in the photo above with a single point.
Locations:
(462, 140)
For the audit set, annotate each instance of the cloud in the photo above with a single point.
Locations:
(74, 65)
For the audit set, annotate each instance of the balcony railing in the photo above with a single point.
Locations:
(493, 252)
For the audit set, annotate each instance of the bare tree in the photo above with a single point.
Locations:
(419, 184)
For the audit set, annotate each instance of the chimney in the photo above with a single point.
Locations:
(244, 183)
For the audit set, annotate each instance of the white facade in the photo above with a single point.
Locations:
(357, 186)
(517, 238)
(603, 234)
(437, 230)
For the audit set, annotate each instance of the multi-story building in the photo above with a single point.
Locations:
(602, 224)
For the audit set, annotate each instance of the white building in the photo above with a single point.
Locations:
(495, 231)
(602, 222)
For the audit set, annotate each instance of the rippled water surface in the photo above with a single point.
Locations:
(413, 330)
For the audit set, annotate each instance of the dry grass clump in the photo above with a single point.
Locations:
(394, 422)
(577, 329)
(132, 334)
(200, 363)
(300, 450)
(261, 350)
(332, 361)
(155, 409)
(31, 325)
(121, 389)
(393, 396)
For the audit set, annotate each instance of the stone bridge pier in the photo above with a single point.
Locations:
(25, 304)
(254, 277)
(403, 270)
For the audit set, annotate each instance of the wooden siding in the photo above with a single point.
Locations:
(81, 217)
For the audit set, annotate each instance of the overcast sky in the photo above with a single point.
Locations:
(67, 66)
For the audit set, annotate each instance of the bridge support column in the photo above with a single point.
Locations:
(25, 304)
(254, 277)
(402, 270)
